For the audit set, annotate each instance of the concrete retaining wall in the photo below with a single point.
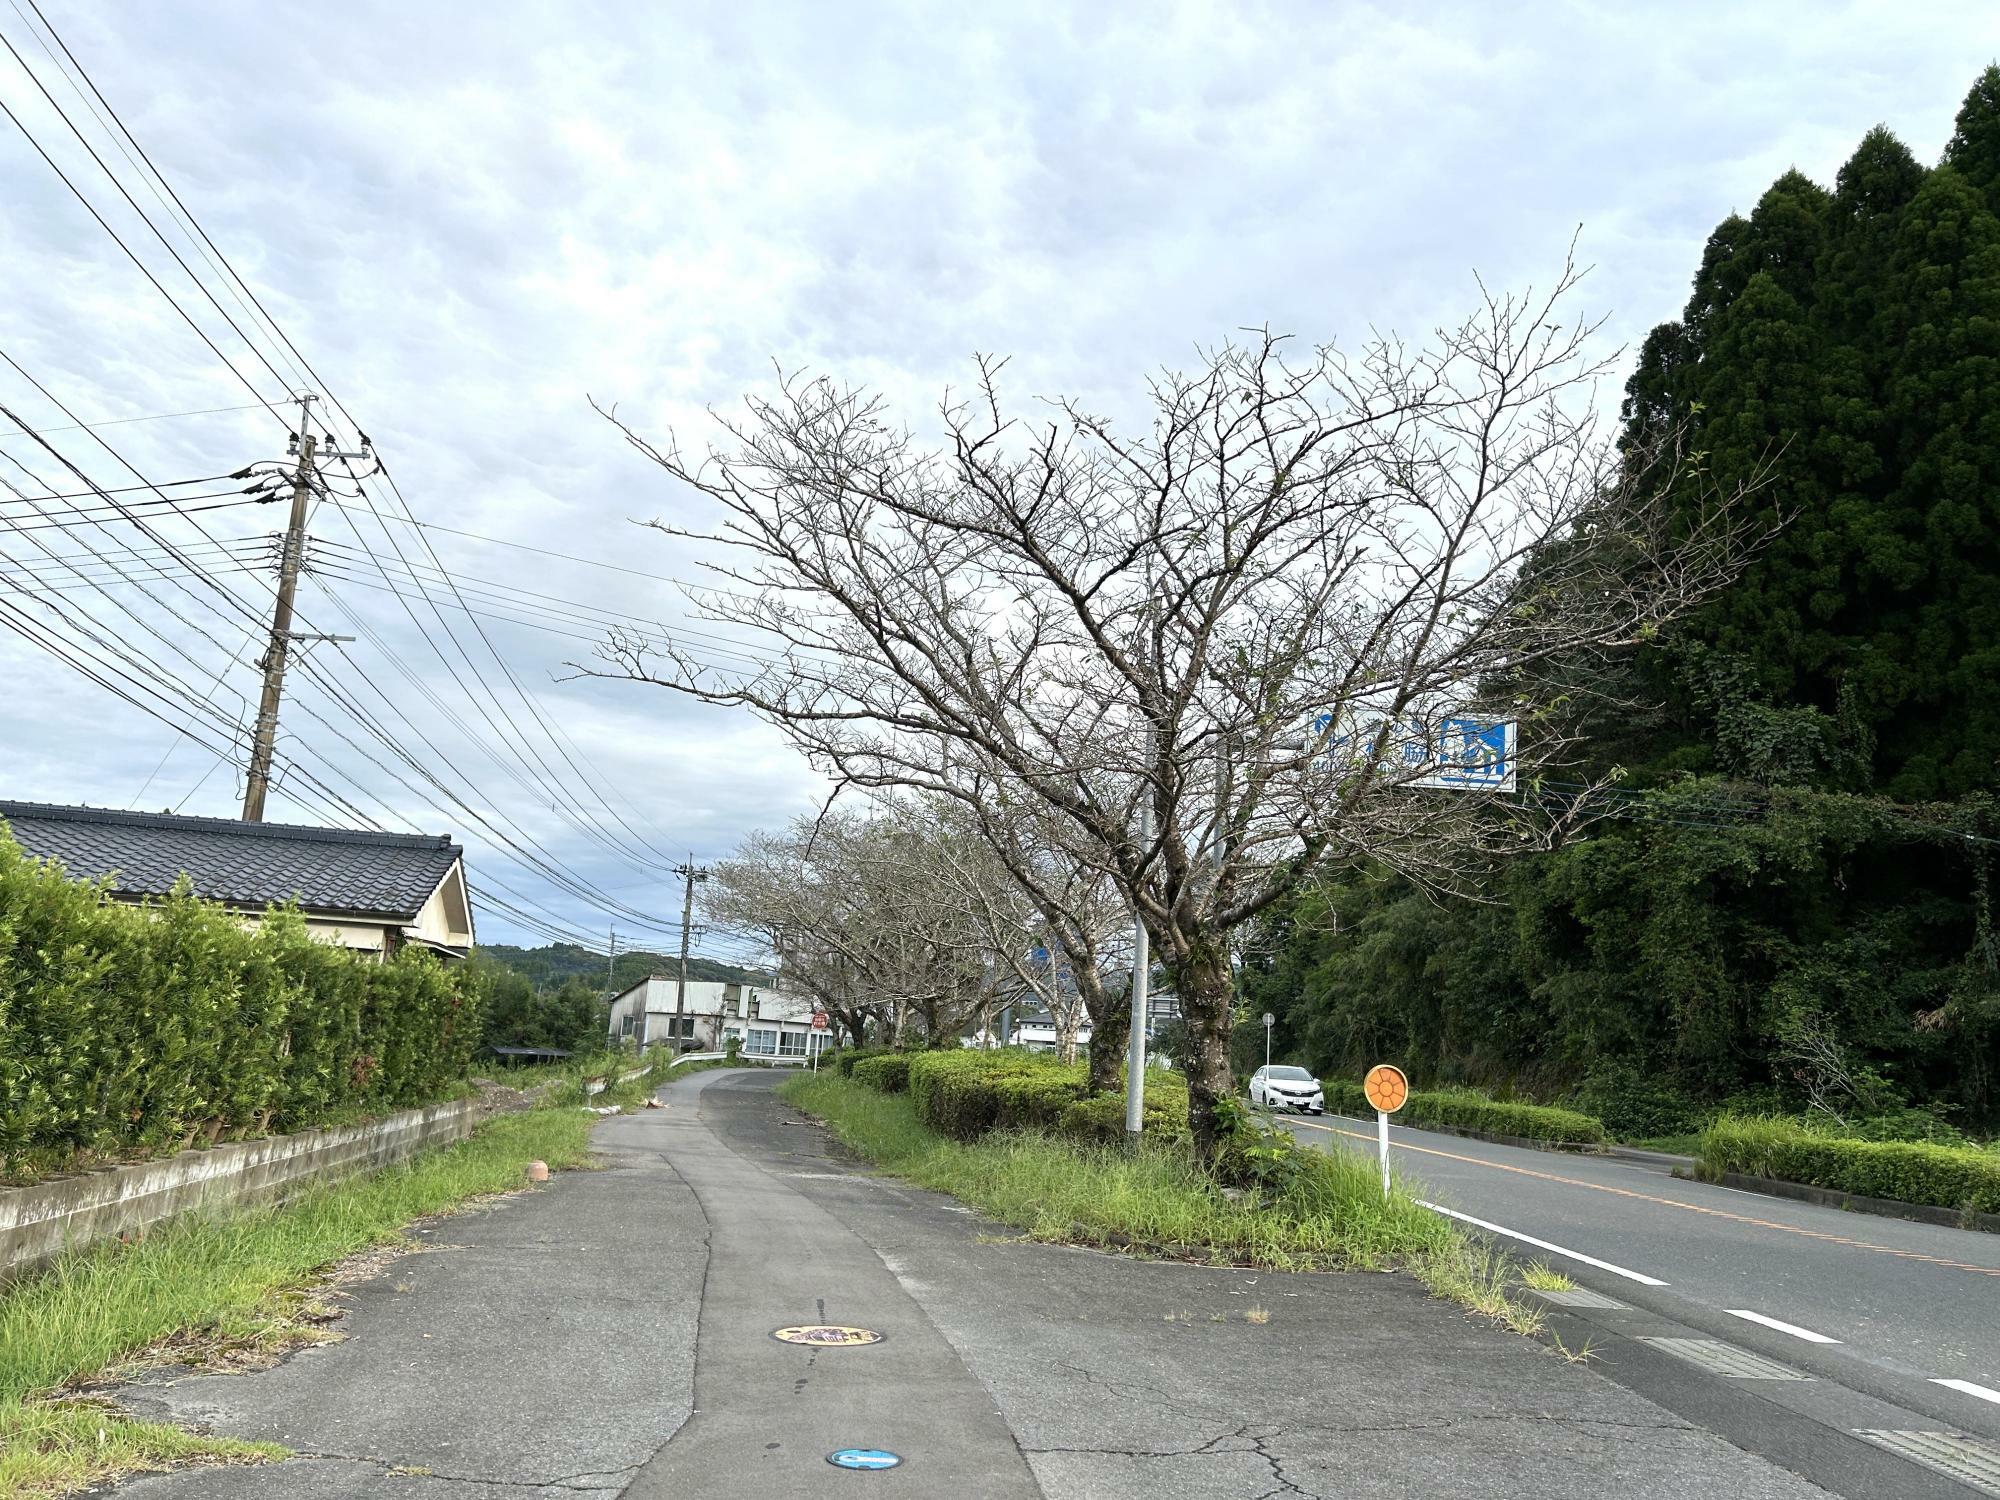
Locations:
(39, 1222)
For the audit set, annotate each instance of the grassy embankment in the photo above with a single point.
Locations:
(1329, 1214)
(234, 1285)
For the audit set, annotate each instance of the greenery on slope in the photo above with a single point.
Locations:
(1793, 910)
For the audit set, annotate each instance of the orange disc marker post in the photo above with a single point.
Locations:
(1388, 1090)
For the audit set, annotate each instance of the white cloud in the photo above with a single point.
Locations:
(468, 219)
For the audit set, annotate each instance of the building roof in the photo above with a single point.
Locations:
(334, 870)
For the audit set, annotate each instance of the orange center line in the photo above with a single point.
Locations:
(1693, 1208)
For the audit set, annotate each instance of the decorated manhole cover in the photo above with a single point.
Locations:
(863, 1458)
(828, 1336)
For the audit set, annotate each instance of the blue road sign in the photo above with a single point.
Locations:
(863, 1458)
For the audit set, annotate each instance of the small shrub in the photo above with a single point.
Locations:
(1965, 1178)
(964, 1094)
(851, 1056)
(888, 1074)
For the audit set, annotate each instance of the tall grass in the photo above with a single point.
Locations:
(1333, 1215)
(220, 1279)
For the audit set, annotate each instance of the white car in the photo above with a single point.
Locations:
(1281, 1087)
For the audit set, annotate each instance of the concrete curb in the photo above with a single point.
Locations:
(1886, 1208)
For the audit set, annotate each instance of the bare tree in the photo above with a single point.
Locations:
(1231, 623)
(869, 915)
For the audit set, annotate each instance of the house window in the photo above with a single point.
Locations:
(761, 1042)
(821, 1040)
(792, 1044)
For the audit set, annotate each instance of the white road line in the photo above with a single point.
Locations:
(1792, 1328)
(1982, 1392)
(1529, 1239)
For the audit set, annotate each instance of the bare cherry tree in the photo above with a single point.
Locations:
(1203, 646)
(868, 915)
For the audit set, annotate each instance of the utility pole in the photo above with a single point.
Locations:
(258, 783)
(611, 985)
(689, 875)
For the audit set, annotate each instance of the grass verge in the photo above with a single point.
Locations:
(1330, 1216)
(201, 1283)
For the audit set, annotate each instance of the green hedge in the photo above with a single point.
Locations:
(888, 1074)
(850, 1057)
(1465, 1110)
(125, 1028)
(1955, 1177)
(1102, 1116)
(964, 1094)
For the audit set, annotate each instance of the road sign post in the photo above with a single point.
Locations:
(1388, 1090)
(1269, 1019)
(819, 1029)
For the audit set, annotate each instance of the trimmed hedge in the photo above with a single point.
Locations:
(1464, 1110)
(1965, 1178)
(965, 1094)
(141, 1028)
(888, 1074)
(850, 1057)
(1102, 1116)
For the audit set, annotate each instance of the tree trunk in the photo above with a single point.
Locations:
(1110, 1028)
(1203, 985)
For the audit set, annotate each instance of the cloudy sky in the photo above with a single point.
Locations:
(469, 219)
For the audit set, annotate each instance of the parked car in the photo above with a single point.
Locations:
(1281, 1087)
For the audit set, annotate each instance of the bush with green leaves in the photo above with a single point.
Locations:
(1101, 1117)
(850, 1057)
(888, 1074)
(966, 1093)
(1965, 1178)
(146, 1028)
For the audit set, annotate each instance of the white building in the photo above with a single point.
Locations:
(771, 1025)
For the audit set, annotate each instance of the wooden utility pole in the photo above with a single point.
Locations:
(689, 875)
(258, 782)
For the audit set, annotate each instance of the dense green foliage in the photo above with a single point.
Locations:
(1955, 1177)
(574, 1016)
(1791, 906)
(127, 1028)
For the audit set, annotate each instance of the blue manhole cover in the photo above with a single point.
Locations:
(863, 1458)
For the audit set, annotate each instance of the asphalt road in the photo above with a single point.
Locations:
(611, 1335)
(1885, 1307)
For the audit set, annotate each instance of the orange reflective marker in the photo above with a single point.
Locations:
(1386, 1087)
(1388, 1090)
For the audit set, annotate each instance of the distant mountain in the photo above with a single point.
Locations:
(546, 968)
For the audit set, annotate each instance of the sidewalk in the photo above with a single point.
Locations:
(557, 1359)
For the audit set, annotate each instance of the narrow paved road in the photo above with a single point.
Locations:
(1891, 1308)
(611, 1335)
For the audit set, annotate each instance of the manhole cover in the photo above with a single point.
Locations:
(1970, 1463)
(828, 1336)
(1719, 1358)
(1578, 1297)
(863, 1458)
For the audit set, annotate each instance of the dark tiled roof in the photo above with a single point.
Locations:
(244, 864)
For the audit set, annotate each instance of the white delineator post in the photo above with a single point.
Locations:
(1382, 1142)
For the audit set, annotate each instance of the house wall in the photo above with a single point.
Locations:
(715, 1011)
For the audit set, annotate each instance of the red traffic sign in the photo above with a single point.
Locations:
(819, 1020)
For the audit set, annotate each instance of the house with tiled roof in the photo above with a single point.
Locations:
(373, 892)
